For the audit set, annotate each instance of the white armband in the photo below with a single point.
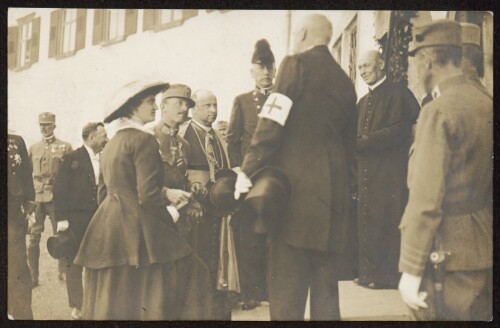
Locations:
(276, 108)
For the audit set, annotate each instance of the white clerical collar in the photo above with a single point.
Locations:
(91, 152)
(379, 82)
(435, 92)
(206, 128)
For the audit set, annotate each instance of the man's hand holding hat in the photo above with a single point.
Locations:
(242, 186)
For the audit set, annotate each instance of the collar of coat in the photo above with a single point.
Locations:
(447, 84)
(127, 123)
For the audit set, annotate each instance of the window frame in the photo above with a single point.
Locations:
(15, 44)
(152, 19)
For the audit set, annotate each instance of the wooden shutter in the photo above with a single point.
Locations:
(149, 19)
(81, 28)
(188, 13)
(130, 21)
(12, 47)
(98, 30)
(35, 41)
(55, 21)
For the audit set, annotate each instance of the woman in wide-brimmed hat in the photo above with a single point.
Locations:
(137, 266)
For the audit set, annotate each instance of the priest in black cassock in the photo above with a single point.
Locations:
(385, 118)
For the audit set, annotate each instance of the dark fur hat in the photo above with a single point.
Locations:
(262, 53)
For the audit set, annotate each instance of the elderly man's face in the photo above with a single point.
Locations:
(371, 68)
(174, 110)
(205, 109)
(47, 129)
(263, 75)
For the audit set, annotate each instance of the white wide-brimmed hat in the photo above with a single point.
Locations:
(128, 91)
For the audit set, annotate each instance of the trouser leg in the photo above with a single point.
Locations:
(324, 287)
(289, 281)
(62, 263)
(19, 277)
(35, 234)
(74, 284)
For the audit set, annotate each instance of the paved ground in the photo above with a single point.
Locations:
(50, 300)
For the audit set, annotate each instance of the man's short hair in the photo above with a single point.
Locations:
(474, 54)
(90, 128)
(442, 55)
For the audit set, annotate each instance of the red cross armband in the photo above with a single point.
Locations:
(276, 108)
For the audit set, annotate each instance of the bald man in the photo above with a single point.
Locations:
(208, 154)
(385, 118)
(307, 129)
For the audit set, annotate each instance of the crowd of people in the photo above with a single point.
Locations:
(154, 224)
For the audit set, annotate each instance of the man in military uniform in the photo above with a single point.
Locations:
(46, 157)
(174, 149)
(21, 197)
(251, 247)
(307, 128)
(447, 227)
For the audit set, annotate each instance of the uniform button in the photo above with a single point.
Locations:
(256, 99)
(258, 107)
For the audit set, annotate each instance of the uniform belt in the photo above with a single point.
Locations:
(463, 209)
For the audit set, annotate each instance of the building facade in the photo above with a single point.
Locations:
(70, 61)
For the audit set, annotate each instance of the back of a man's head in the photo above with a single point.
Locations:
(443, 55)
(313, 30)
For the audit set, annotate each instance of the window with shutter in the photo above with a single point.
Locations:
(113, 25)
(12, 47)
(162, 19)
(67, 32)
(25, 43)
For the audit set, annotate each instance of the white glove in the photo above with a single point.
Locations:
(408, 288)
(62, 225)
(242, 186)
(177, 196)
(173, 213)
(236, 169)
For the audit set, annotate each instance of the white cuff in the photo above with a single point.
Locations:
(62, 225)
(173, 212)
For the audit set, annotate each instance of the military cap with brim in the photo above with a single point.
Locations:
(442, 32)
(471, 34)
(179, 91)
(268, 198)
(220, 200)
(63, 244)
(46, 118)
(120, 99)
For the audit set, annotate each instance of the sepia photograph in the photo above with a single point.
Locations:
(249, 165)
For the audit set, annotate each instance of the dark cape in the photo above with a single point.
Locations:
(385, 116)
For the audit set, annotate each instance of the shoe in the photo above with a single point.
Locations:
(61, 276)
(250, 305)
(76, 314)
(357, 281)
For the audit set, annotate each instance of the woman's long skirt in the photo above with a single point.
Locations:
(170, 291)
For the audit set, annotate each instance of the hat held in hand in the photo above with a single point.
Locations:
(269, 198)
(63, 244)
(220, 200)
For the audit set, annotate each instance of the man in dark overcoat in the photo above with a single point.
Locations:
(385, 118)
(251, 247)
(75, 201)
(447, 227)
(307, 129)
(21, 197)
